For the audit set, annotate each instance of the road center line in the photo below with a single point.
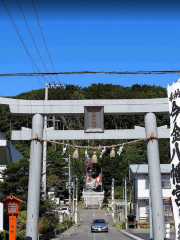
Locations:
(93, 213)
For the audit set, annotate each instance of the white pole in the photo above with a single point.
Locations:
(113, 199)
(101, 179)
(86, 200)
(76, 211)
(45, 146)
(69, 179)
(54, 125)
(73, 200)
(126, 204)
(123, 201)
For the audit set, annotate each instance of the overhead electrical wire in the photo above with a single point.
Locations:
(33, 39)
(29, 55)
(44, 40)
(12, 20)
(91, 72)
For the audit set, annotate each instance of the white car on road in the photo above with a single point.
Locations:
(65, 210)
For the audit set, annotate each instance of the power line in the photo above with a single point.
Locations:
(33, 39)
(91, 72)
(34, 95)
(21, 38)
(44, 39)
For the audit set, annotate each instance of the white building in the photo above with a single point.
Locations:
(138, 174)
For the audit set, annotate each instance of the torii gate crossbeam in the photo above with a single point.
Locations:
(147, 107)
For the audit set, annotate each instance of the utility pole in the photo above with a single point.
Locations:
(86, 201)
(123, 192)
(113, 199)
(54, 125)
(45, 145)
(76, 211)
(101, 179)
(73, 198)
(69, 185)
(125, 203)
(73, 187)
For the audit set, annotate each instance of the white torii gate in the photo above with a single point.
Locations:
(92, 198)
(38, 109)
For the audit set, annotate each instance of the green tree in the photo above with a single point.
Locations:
(15, 179)
(53, 181)
(16, 182)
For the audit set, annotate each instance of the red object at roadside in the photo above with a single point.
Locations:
(12, 208)
(69, 206)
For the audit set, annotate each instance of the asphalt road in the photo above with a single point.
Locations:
(84, 230)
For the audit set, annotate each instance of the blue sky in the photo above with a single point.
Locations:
(90, 35)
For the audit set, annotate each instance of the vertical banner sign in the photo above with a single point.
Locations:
(174, 109)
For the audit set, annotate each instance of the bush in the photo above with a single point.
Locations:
(44, 225)
(121, 225)
(20, 236)
(21, 222)
(49, 222)
(144, 226)
(67, 222)
(5, 236)
(66, 218)
(142, 223)
(105, 200)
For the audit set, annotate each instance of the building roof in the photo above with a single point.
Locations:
(15, 154)
(143, 168)
(11, 197)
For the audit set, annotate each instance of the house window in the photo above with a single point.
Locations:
(167, 208)
(147, 181)
(165, 180)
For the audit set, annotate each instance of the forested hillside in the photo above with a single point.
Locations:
(112, 168)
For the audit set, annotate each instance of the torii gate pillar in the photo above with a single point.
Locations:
(155, 178)
(34, 179)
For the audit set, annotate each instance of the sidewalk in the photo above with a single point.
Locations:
(143, 234)
(70, 231)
